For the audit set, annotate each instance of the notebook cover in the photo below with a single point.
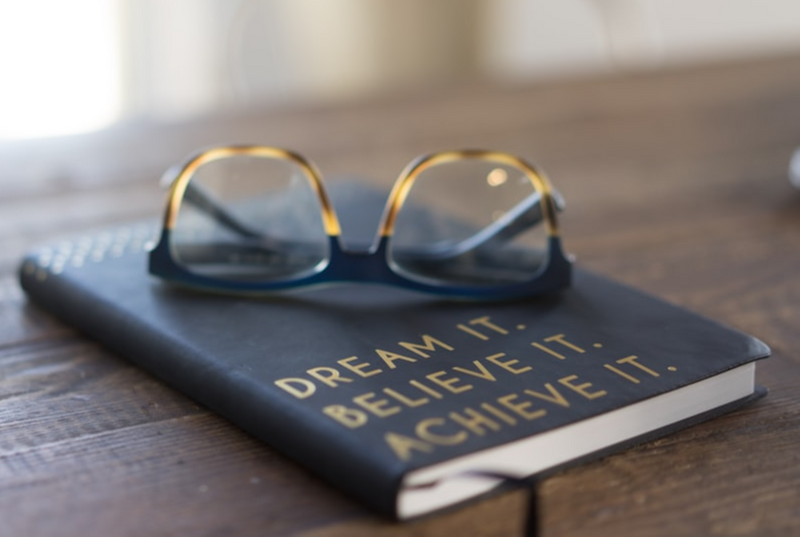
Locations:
(382, 362)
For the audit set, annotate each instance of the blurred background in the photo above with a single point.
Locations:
(90, 66)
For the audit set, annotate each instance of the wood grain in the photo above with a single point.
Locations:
(676, 183)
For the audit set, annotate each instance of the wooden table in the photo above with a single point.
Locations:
(676, 183)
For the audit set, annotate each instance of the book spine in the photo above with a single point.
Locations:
(322, 450)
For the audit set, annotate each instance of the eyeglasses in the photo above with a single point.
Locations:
(255, 219)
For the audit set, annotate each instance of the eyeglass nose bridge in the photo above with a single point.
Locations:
(368, 264)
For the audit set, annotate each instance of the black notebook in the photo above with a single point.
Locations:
(407, 402)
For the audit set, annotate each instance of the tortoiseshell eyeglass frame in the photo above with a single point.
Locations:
(373, 265)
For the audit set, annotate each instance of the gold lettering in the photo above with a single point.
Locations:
(411, 403)
(470, 331)
(426, 389)
(484, 321)
(448, 384)
(520, 408)
(358, 369)
(475, 421)
(559, 338)
(582, 389)
(391, 357)
(507, 364)
(328, 375)
(621, 373)
(632, 360)
(403, 445)
(548, 351)
(349, 417)
(497, 413)
(482, 372)
(306, 387)
(428, 345)
(554, 397)
(379, 407)
(424, 433)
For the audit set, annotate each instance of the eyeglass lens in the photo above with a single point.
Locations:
(250, 218)
(470, 222)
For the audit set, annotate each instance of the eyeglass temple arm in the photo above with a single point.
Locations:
(200, 199)
(519, 218)
(206, 203)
